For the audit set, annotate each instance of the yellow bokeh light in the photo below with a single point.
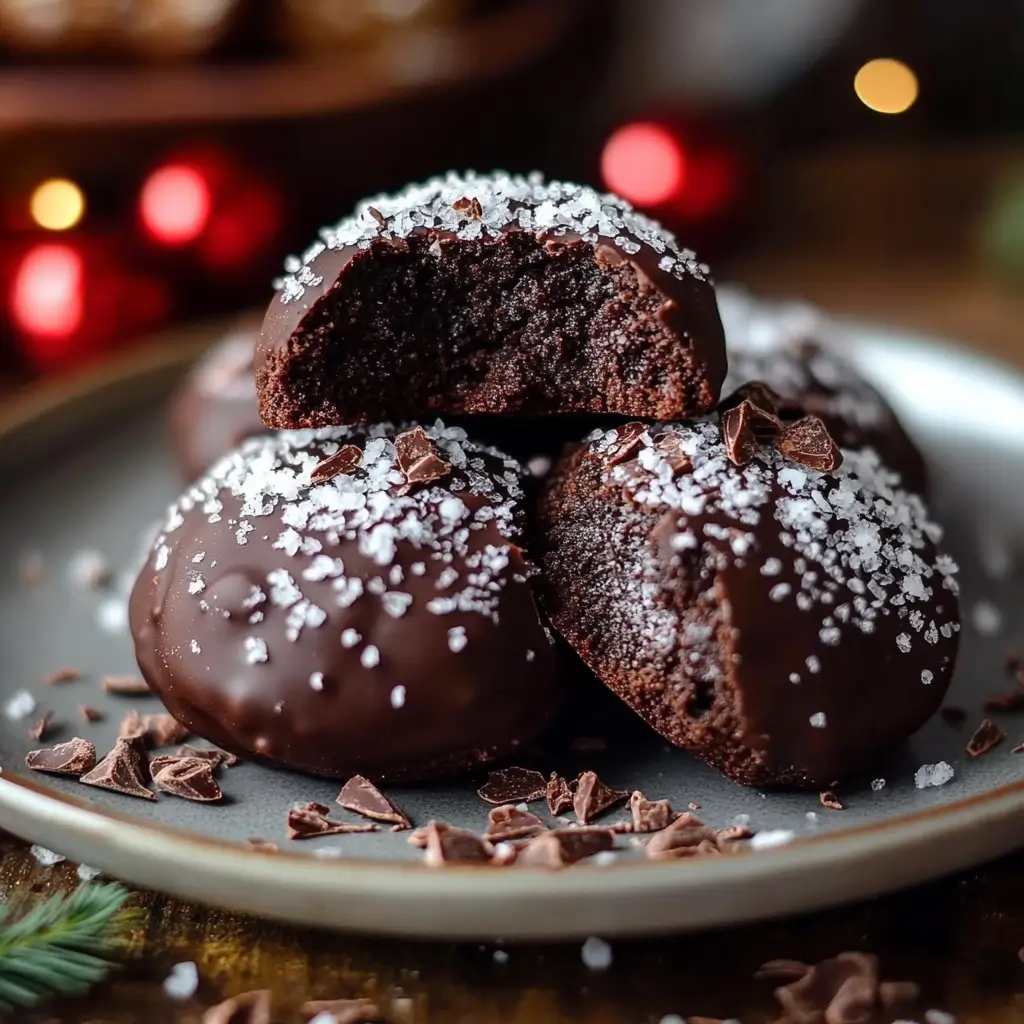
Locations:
(885, 85)
(57, 204)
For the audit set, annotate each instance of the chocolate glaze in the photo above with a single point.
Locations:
(539, 298)
(419, 653)
(786, 626)
(215, 408)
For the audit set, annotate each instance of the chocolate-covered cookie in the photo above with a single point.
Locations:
(350, 601)
(490, 294)
(795, 350)
(215, 408)
(785, 624)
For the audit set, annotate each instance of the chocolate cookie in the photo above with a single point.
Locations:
(350, 601)
(490, 294)
(793, 349)
(215, 408)
(786, 625)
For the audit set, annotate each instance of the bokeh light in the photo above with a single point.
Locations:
(174, 204)
(644, 163)
(46, 297)
(886, 86)
(57, 204)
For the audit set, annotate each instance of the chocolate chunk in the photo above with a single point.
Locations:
(1008, 700)
(986, 736)
(650, 815)
(628, 441)
(470, 208)
(564, 846)
(62, 675)
(342, 462)
(261, 845)
(90, 714)
(687, 836)
(246, 1008)
(75, 757)
(670, 447)
(808, 442)
(509, 822)
(309, 820)
(592, 797)
(829, 799)
(131, 727)
(419, 459)
(741, 443)
(952, 715)
(513, 786)
(782, 970)
(124, 770)
(559, 795)
(125, 685)
(446, 845)
(346, 1011)
(41, 725)
(362, 797)
(191, 778)
(163, 730)
(418, 836)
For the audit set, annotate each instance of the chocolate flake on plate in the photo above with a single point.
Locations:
(592, 797)
(362, 797)
(559, 795)
(124, 770)
(447, 845)
(62, 675)
(650, 815)
(74, 757)
(90, 714)
(191, 778)
(131, 727)
(953, 715)
(808, 442)
(419, 459)
(261, 845)
(126, 685)
(509, 822)
(628, 441)
(245, 1008)
(219, 757)
(309, 820)
(41, 725)
(828, 799)
(1008, 700)
(346, 1011)
(342, 462)
(564, 846)
(986, 736)
(163, 730)
(688, 836)
(513, 786)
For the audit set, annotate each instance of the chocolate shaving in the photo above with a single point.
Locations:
(309, 820)
(592, 797)
(90, 714)
(829, 799)
(125, 685)
(513, 786)
(261, 845)
(246, 1008)
(953, 715)
(808, 442)
(62, 675)
(741, 443)
(447, 845)
(346, 1011)
(1009, 700)
(470, 208)
(419, 459)
(509, 822)
(344, 461)
(163, 730)
(41, 725)
(75, 757)
(376, 215)
(124, 770)
(688, 836)
(628, 441)
(362, 797)
(670, 448)
(986, 736)
(650, 815)
(191, 778)
(219, 757)
(131, 727)
(564, 846)
(559, 795)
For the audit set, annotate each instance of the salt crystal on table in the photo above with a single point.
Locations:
(933, 775)
(771, 837)
(986, 618)
(20, 706)
(596, 954)
(500, 956)
(183, 981)
(878, 785)
(47, 858)
(87, 873)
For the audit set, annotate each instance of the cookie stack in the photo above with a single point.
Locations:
(368, 588)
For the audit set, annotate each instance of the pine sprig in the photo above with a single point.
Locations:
(61, 947)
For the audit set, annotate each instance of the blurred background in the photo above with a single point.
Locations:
(158, 158)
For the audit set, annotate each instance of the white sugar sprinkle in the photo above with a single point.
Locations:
(596, 954)
(350, 637)
(47, 858)
(813, 664)
(370, 657)
(818, 720)
(398, 697)
(456, 639)
(183, 981)
(255, 650)
(316, 681)
(933, 775)
(194, 647)
(771, 838)
(19, 706)
(986, 618)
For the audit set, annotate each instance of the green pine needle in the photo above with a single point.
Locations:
(61, 947)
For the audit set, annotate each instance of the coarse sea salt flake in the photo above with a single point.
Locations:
(19, 706)
(398, 697)
(933, 775)
(596, 954)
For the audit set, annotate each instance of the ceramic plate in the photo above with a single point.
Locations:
(87, 468)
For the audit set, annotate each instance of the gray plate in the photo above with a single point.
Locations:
(88, 468)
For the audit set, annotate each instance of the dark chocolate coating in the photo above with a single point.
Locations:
(215, 410)
(787, 626)
(425, 634)
(787, 346)
(538, 300)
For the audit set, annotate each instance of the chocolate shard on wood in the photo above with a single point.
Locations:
(75, 757)
(309, 820)
(344, 461)
(245, 1008)
(163, 730)
(808, 442)
(124, 770)
(562, 847)
(191, 778)
(627, 443)
(650, 815)
(559, 795)
(447, 845)
(829, 799)
(508, 822)
(513, 786)
(362, 797)
(345, 1011)
(90, 714)
(986, 736)
(134, 686)
(41, 726)
(593, 798)
(62, 675)
(419, 459)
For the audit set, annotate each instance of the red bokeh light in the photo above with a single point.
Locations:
(241, 229)
(174, 204)
(644, 163)
(46, 296)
